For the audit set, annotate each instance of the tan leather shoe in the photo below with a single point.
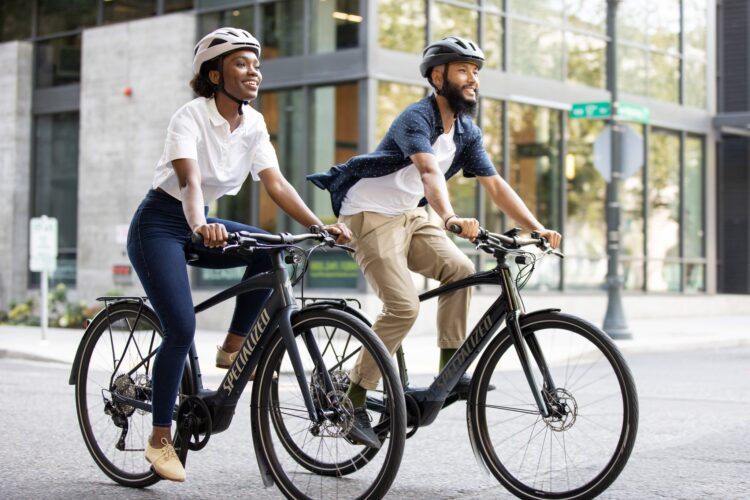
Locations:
(165, 461)
(224, 359)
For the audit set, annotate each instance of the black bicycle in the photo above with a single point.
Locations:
(300, 360)
(552, 409)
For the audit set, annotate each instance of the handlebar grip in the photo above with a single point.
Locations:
(196, 239)
(455, 228)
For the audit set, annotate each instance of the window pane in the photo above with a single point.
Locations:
(693, 198)
(239, 18)
(203, 4)
(58, 61)
(631, 69)
(449, 20)
(664, 211)
(632, 230)
(283, 112)
(177, 5)
(492, 135)
(695, 82)
(334, 136)
(536, 50)
(585, 252)
(116, 11)
(664, 77)
(402, 25)
(664, 25)
(65, 15)
(55, 185)
(587, 14)
(695, 24)
(695, 277)
(393, 98)
(493, 41)
(335, 25)
(586, 60)
(282, 28)
(535, 171)
(15, 20)
(547, 10)
(631, 20)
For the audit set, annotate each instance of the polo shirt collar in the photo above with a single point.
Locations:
(216, 119)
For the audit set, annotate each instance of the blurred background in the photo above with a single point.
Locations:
(90, 86)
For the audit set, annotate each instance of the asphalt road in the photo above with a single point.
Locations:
(693, 441)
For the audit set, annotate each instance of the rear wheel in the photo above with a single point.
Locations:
(581, 448)
(117, 358)
(308, 459)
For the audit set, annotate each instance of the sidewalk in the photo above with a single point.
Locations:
(664, 334)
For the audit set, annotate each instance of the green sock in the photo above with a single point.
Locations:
(445, 356)
(357, 395)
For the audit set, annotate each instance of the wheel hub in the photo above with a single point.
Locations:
(564, 410)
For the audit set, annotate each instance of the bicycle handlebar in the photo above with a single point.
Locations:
(509, 242)
(248, 239)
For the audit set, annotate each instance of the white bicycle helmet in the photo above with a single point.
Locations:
(220, 42)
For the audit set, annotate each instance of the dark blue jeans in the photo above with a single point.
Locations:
(158, 239)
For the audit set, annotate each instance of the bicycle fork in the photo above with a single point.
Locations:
(285, 326)
(521, 344)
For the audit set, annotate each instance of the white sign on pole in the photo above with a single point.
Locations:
(43, 247)
(631, 153)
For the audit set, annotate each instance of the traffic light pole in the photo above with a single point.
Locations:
(614, 321)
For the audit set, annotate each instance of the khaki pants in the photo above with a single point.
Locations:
(386, 249)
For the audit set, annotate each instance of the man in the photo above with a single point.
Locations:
(378, 196)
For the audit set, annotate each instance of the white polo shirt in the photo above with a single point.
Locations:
(198, 131)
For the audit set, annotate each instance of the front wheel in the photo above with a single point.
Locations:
(582, 446)
(317, 460)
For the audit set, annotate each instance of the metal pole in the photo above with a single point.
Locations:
(44, 321)
(614, 321)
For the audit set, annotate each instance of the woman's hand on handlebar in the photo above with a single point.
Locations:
(343, 234)
(552, 237)
(214, 235)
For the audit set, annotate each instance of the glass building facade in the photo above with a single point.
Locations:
(337, 72)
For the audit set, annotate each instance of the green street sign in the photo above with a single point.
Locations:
(591, 110)
(633, 112)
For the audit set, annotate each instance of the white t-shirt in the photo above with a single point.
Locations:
(399, 192)
(199, 132)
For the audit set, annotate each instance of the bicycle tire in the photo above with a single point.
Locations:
(587, 444)
(105, 339)
(293, 447)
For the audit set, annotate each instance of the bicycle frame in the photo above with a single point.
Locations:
(506, 308)
(275, 315)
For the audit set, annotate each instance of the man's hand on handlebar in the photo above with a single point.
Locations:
(214, 235)
(469, 227)
(552, 237)
(343, 234)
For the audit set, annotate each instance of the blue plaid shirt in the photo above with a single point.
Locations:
(414, 131)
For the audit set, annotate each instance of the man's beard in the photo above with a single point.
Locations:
(456, 100)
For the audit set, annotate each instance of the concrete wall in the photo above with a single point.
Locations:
(122, 137)
(15, 168)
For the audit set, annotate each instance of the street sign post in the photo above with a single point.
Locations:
(631, 152)
(43, 259)
(624, 111)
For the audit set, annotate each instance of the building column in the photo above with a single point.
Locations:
(15, 169)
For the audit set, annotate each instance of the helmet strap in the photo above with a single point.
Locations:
(220, 87)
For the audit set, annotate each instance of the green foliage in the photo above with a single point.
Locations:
(62, 313)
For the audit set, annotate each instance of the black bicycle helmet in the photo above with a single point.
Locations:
(450, 49)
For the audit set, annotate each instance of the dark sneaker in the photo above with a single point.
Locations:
(361, 431)
(464, 385)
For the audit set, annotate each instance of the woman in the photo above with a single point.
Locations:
(213, 143)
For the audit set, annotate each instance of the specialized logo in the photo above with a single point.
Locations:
(466, 350)
(247, 349)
